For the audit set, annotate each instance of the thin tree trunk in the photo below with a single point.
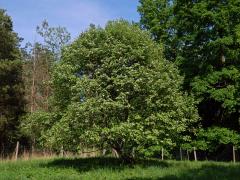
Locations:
(162, 154)
(104, 152)
(2, 150)
(234, 156)
(115, 153)
(16, 151)
(47, 88)
(181, 156)
(62, 151)
(33, 147)
(195, 154)
(33, 98)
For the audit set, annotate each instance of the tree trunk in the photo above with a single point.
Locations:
(16, 150)
(195, 154)
(33, 88)
(181, 156)
(234, 155)
(162, 154)
(115, 153)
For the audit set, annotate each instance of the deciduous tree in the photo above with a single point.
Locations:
(113, 88)
(202, 37)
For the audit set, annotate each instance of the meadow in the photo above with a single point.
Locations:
(111, 168)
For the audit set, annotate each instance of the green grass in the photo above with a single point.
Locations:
(110, 168)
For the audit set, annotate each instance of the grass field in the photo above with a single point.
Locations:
(110, 168)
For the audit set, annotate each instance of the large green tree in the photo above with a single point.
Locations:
(203, 38)
(11, 87)
(114, 89)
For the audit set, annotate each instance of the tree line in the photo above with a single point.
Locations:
(170, 81)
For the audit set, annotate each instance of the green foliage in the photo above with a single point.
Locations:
(155, 152)
(11, 87)
(114, 89)
(198, 33)
(34, 126)
(213, 138)
(222, 86)
(157, 17)
(9, 41)
(202, 38)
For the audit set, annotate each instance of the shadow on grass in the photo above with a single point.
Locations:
(205, 172)
(88, 164)
(164, 170)
(211, 171)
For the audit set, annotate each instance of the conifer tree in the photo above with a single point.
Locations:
(11, 87)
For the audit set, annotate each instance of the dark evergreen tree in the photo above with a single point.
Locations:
(11, 88)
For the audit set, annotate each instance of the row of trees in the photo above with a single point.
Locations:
(172, 82)
(25, 79)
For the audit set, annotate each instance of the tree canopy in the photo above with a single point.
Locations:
(11, 87)
(116, 90)
(202, 38)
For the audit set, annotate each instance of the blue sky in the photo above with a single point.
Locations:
(75, 15)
